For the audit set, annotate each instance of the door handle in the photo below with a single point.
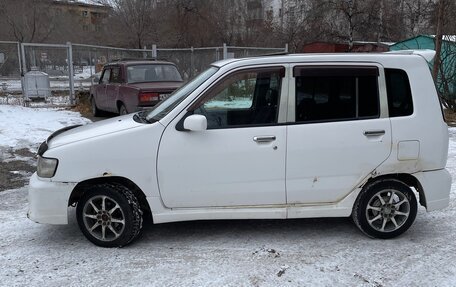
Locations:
(374, 133)
(263, 139)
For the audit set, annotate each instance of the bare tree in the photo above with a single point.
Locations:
(350, 17)
(27, 20)
(416, 15)
(444, 67)
(135, 20)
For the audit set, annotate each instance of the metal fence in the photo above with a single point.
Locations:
(71, 67)
(192, 61)
(10, 63)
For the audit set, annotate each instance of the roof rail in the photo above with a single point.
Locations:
(427, 54)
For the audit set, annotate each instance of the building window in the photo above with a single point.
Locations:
(85, 13)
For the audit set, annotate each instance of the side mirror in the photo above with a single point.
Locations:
(196, 123)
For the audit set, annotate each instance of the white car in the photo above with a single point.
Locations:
(292, 136)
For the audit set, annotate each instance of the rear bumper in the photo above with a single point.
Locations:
(48, 201)
(436, 187)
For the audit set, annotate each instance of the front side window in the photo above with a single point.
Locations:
(334, 93)
(245, 98)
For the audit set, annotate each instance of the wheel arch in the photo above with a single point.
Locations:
(82, 187)
(119, 103)
(405, 178)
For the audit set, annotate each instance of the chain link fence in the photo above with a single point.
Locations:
(73, 67)
(10, 63)
(192, 61)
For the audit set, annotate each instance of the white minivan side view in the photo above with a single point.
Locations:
(292, 136)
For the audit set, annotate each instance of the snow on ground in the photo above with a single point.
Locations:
(307, 252)
(86, 73)
(22, 127)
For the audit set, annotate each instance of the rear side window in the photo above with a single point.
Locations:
(335, 93)
(399, 94)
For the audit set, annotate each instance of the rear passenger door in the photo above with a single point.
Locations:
(339, 131)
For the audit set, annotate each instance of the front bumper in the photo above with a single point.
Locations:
(48, 201)
(436, 187)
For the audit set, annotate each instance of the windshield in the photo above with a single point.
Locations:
(152, 73)
(164, 107)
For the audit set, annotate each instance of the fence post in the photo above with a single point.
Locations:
(24, 69)
(24, 62)
(154, 51)
(19, 57)
(286, 48)
(90, 64)
(145, 52)
(225, 51)
(192, 65)
(70, 71)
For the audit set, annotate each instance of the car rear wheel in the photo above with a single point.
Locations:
(385, 209)
(95, 111)
(122, 110)
(109, 215)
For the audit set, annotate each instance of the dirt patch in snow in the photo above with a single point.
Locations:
(16, 168)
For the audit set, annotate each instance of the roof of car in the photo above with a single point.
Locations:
(368, 57)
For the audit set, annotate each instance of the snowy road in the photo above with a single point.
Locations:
(310, 252)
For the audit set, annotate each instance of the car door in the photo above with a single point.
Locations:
(112, 89)
(240, 159)
(100, 96)
(341, 130)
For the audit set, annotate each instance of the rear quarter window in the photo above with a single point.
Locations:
(400, 101)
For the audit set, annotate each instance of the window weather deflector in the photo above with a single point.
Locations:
(335, 71)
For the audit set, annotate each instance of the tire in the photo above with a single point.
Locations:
(95, 111)
(122, 110)
(112, 208)
(385, 209)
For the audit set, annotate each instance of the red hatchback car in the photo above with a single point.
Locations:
(131, 85)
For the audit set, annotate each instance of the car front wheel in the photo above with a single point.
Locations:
(385, 209)
(109, 215)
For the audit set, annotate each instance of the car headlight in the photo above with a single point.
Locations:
(46, 167)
